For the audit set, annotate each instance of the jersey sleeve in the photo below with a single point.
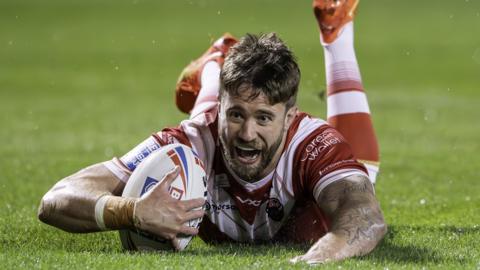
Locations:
(123, 167)
(323, 157)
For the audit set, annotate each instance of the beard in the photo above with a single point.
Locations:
(246, 172)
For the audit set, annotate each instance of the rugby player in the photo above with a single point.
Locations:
(274, 173)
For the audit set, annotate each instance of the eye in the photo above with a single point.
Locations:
(264, 119)
(235, 116)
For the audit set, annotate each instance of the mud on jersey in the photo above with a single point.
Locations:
(314, 156)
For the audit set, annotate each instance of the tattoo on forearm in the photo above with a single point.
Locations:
(354, 209)
(359, 224)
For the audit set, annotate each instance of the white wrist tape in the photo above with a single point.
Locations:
(99, 209)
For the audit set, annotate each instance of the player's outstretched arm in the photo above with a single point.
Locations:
(357, 221)
(70, 205)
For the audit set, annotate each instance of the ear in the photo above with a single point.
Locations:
(290, 116)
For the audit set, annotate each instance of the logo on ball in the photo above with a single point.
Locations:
(149, 184)
(176, 193)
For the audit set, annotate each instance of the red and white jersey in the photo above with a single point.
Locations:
(314, 156)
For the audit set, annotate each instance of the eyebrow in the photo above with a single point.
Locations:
(236, 107)
(260, 111)
(269, 113)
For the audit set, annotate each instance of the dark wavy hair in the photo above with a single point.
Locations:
(263, 64)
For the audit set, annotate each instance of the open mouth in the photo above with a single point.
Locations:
(247, 155)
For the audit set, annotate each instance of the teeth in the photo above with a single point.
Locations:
(246, 148)
(252, 157)
(247, 154)
(248, 157)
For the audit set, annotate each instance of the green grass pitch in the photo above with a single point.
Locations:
(81, 81)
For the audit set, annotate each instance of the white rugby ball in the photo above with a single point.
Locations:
(190, 184)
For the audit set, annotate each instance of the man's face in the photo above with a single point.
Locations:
(252, 133)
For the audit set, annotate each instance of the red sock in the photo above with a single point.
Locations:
(347, 102)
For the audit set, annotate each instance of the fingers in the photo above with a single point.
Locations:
(193, 203)
(187, 230)
(307, 259)
(194, 214)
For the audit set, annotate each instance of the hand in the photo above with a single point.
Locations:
(158, 213)
(328, 248)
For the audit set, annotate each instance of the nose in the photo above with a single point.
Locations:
(248, 131)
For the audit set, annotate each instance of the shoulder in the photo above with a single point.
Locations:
(314, 140)
(317, 153)
(302, 125)
(303, 130)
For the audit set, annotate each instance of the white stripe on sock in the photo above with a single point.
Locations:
(343, 71)
(347, 102)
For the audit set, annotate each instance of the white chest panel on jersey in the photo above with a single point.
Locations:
(223, 211)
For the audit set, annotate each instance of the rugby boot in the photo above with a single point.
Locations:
(332, 15)
(189, 83)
